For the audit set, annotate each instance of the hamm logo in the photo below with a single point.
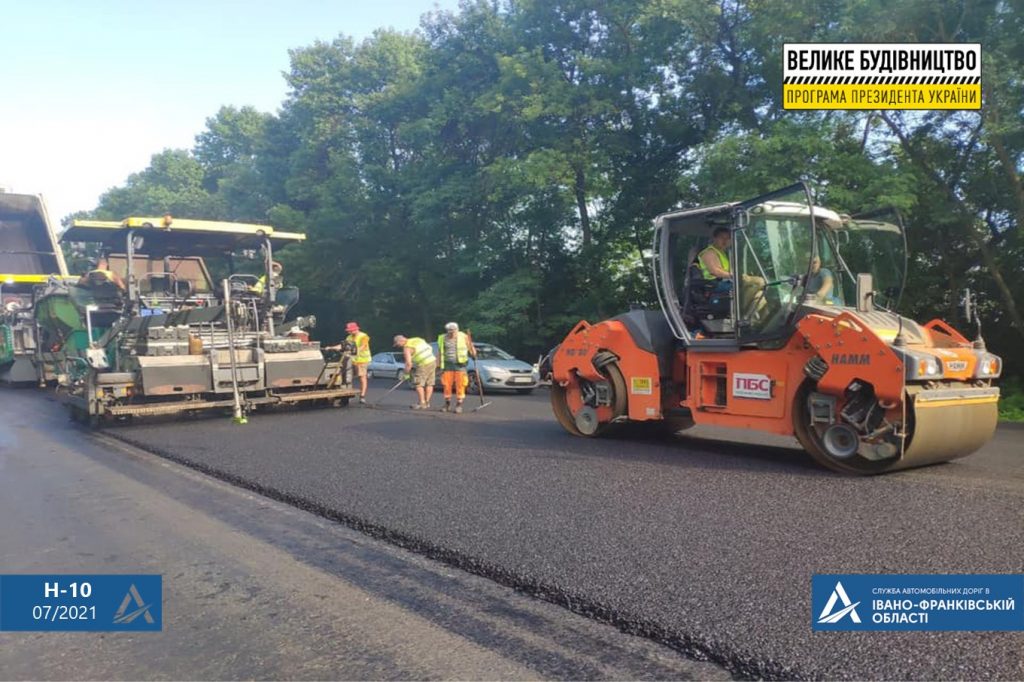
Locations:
(851, 359)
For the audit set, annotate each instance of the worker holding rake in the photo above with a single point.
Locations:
(454, 348)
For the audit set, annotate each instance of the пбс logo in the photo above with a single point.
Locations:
(839, 594)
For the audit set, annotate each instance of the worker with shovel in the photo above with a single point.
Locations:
(358, 343)
(420, 367)
(455, 349)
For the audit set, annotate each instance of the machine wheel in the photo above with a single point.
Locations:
(606, 362)
(841, 441)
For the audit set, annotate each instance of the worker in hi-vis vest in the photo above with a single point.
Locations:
(715, 264)
(276, 271)
(420, 367)
(454, 348)
(358, 343)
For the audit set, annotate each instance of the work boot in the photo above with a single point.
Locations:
(447, 406)
(458, 408)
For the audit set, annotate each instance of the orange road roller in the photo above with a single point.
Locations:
(780, 316)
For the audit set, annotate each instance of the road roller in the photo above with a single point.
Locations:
(149, 331)
(799, 336)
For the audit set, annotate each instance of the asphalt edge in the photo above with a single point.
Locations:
(690, 645)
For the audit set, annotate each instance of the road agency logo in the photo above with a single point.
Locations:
(917, 601)
(833, 612)
(881, 76)
(123, 616)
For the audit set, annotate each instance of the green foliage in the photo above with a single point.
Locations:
(1011, 404)
(502, 166)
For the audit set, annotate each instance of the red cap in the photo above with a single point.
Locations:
(351, 327)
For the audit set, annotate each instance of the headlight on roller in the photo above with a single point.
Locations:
(922, 367)
(929, 368)
(989, 367)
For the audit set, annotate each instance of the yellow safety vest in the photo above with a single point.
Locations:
(261, 284)
(361, 340)
(461, 348)
(422, 353)
(723, 260)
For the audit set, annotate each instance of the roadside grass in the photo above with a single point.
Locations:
(1011, 402)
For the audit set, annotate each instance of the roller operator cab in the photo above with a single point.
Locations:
(802, 340)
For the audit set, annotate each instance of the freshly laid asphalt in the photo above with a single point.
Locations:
(706, 545)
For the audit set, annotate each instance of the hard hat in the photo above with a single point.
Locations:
(451, 327)
(275, 265)
(351, 327)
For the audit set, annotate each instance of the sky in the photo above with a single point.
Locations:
(91, 90)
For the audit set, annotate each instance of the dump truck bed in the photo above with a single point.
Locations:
(28, 244)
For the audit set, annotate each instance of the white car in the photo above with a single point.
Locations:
(386, 365)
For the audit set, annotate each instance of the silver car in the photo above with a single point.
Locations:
(499, 371)
(387, 365)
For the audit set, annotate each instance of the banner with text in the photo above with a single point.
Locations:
(95, 603)
(881, 76)
(917, 602)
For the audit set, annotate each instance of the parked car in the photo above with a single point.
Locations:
(387, 365)
(500, 371)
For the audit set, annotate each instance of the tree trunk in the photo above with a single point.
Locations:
(580, 188)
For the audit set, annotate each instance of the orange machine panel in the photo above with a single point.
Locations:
(639, 368)
(853, 351)
(751, 389)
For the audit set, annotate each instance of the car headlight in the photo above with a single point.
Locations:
(496, 371)
(989, 367)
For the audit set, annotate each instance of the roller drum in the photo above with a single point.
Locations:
(948, 423)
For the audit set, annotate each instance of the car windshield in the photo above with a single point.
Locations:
(486, 351)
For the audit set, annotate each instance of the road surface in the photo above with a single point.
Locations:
(256, 589)
(704, 545)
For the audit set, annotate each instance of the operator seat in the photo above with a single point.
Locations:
(705, 309)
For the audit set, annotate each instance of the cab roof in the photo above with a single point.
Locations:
(178, 236)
